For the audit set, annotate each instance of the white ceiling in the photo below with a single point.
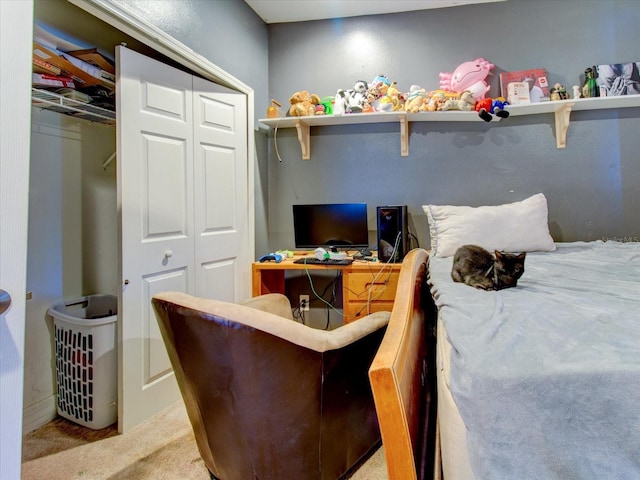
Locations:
(281, 11)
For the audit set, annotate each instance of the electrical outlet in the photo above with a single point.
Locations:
(304, 303)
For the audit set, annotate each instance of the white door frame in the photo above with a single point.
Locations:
(15, 118)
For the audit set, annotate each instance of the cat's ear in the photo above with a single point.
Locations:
(522, 255)
(498, 254)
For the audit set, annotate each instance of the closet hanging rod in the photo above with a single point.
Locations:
(108, 161)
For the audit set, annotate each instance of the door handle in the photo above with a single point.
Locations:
(5, 301)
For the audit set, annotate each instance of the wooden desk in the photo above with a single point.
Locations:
(367, 287)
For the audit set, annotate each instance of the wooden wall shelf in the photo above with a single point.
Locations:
(303, 124)
(561, 109)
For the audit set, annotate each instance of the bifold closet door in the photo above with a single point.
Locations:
(155, 184)
(183, 207)
(221, 192)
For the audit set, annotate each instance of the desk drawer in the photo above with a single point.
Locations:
(361, 288)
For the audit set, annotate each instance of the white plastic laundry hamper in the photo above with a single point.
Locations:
(86, 359)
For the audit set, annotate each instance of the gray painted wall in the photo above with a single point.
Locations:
(593, 186)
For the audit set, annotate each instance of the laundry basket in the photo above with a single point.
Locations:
(86, 360)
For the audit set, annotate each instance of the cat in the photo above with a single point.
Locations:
(477, 267)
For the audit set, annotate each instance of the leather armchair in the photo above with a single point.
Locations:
(269, 398)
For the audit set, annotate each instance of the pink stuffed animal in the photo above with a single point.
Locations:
(468, 76)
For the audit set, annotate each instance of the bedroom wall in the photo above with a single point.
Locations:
(593, 186)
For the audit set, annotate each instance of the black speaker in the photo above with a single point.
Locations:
(392, 232)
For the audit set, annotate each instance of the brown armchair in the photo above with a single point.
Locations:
(269, 398)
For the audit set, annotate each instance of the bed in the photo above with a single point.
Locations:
(541, 381)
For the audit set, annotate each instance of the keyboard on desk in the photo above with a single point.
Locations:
(328, 261)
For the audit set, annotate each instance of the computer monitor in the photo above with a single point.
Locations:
(334, 225)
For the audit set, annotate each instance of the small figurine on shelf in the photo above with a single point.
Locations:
(590, 86)
(273, 111)
(558, 92)
(576, 91)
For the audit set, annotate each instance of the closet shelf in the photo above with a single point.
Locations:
(58, 103)
(561, 109)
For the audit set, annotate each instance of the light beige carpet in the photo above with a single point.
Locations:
(162, 447)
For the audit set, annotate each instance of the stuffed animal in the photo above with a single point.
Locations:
(357, 96)
(468, 76)
(466, 102)
(487, 107)
(397, 98)
(437, 99)
(372, 95)
(416, 99)
(352, 100)
(381, 83)
(340, 103)
(303, 104)
(387, 104)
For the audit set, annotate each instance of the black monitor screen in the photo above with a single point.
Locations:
(336, 225)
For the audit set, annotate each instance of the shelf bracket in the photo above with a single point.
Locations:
(404, 136)
(304, 138)
(563, 115)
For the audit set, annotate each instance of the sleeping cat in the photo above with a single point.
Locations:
(476, 266)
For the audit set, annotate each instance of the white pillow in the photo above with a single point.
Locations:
(512, 227)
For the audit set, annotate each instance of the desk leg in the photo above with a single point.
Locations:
(267, 281)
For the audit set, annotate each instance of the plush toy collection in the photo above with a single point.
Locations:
(463, 89)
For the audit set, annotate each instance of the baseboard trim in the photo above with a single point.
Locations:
(38, 414)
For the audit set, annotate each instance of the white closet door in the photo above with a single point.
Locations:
(183, 203)
(155, 202)
(221, 192)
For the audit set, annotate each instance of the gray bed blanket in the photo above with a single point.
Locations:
(546, 375)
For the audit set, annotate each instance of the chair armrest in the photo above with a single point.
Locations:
(349, 333)
(275, 303)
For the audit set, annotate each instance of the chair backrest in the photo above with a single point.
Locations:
(399, 378)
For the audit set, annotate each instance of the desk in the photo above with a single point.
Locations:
(364, 284)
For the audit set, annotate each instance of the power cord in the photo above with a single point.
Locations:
(275, 140)
(387, 263)
(298, 312)
(320, 297)
(330, 304)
